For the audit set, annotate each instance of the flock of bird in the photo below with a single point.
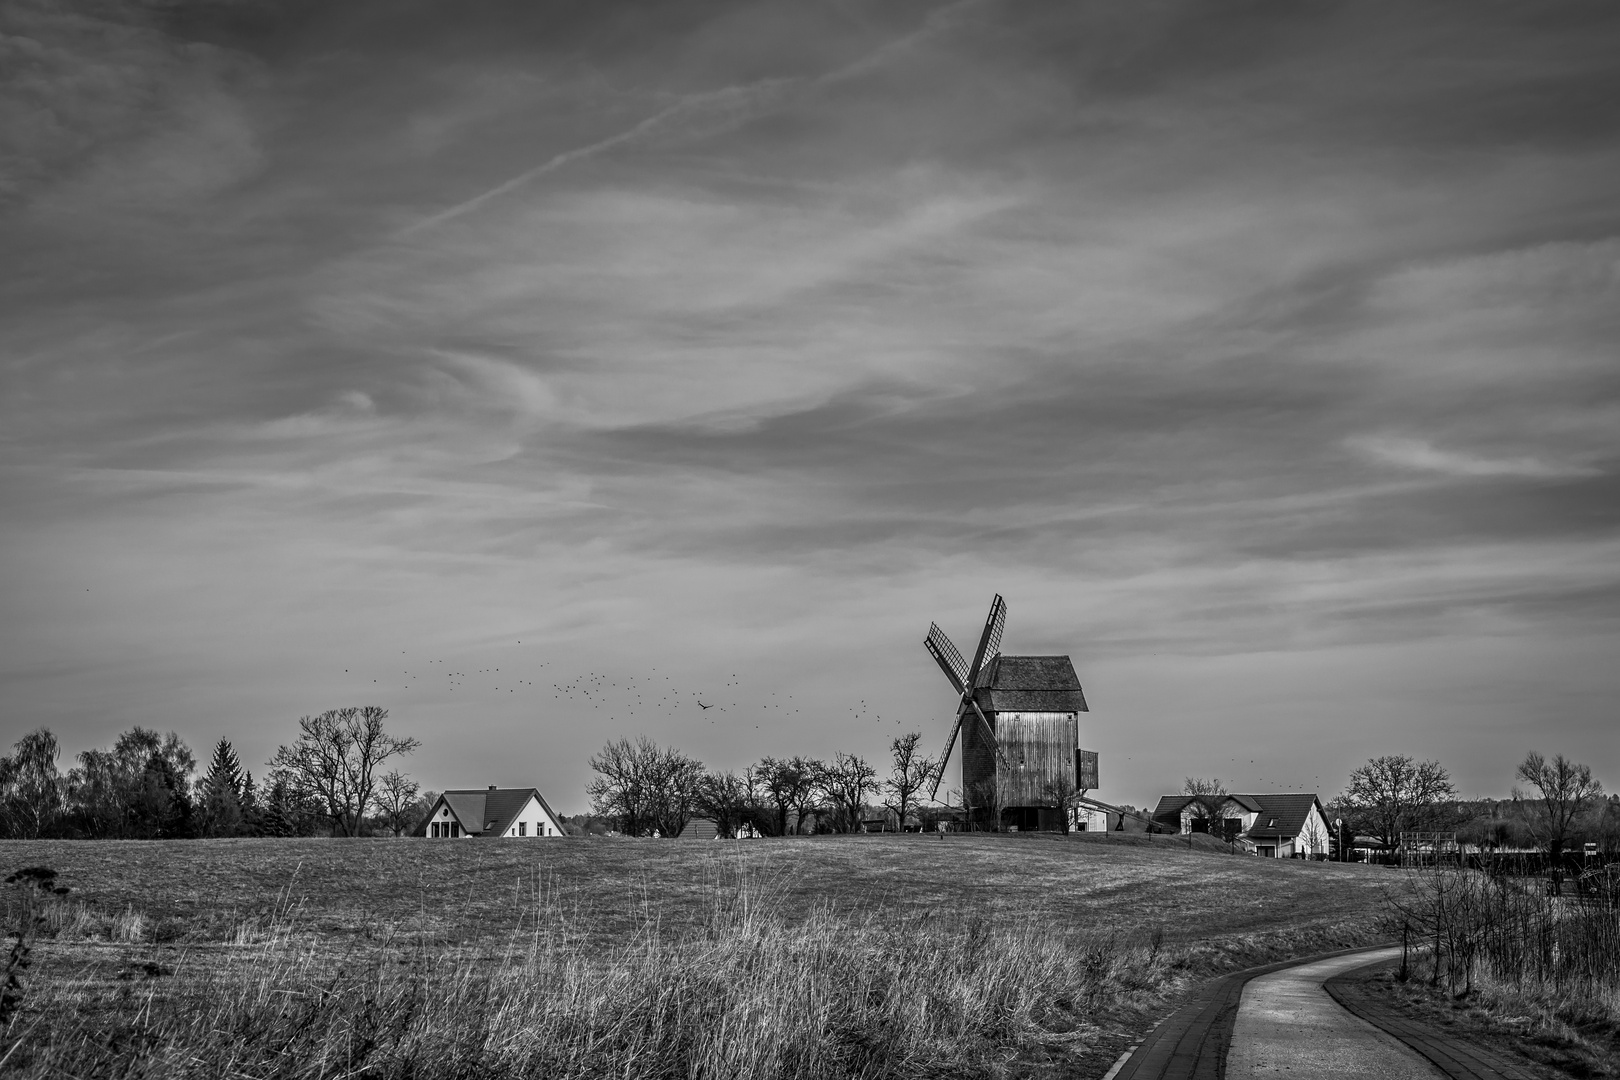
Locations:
(654, 695)
(622, 695)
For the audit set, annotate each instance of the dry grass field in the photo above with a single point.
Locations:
(1020, 955)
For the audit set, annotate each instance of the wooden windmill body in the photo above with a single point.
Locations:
(1019, 722)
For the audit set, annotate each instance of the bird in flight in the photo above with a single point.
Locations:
(703, 706)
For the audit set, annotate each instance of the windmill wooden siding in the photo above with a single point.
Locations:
(1037, 752)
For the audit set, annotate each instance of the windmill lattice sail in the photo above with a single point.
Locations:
(947, 656)
(990, 640)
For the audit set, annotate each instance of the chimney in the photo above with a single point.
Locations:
(492, 787)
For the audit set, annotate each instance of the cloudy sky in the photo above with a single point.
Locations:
(440, 356)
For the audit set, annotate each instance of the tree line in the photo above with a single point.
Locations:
(643, 789)
(329, 780)
(1555, 804)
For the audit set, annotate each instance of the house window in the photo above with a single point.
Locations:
(435, 831)
(522, 828)
(455, 828)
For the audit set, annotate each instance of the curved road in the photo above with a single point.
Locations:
(1279, 1021)
(1288, 1027)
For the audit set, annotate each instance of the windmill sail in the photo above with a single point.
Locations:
(945, 758)
(949, 659)
(990, 640)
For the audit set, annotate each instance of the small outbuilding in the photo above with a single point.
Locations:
(492, 811)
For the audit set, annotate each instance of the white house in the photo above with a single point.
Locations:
(1273, 826)
(505, 812)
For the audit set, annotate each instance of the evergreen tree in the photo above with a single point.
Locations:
(252, 811)
(287, 811)
(222, 791)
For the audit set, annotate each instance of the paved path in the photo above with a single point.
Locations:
(1279, 1021)
(1288, 1028)
(1192, 1042)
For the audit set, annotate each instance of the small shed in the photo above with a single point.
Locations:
(1091, 815)
(519, 813)
(700, 828)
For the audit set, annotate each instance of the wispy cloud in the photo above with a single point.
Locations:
(703, 113)
(1419, 454)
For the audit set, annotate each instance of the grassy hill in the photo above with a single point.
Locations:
(879, 955)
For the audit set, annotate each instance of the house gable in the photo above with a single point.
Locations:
(453, 808)
(522, 812)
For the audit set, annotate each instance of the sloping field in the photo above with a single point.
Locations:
(483, 890)
(874, 956)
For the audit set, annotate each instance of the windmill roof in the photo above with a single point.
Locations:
(490, 811)
(1030, 684)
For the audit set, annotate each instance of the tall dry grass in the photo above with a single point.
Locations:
(1541, 964)
(748, 993)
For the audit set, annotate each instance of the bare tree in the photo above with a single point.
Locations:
(644, 787)
(617, 793)
(910, 774)
(1313, 835)
(1208, 797)
(790, 784)
(1566, 789)
(1391, 791)
(1061, 793)
(985, 801)
(846, 782)
(398, 801)
(727, 798)
(335, 760)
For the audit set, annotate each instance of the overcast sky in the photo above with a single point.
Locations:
(1262, 356)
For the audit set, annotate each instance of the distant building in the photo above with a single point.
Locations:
(1273, 826)
(706, 828)
(700, 828)
(493, 811)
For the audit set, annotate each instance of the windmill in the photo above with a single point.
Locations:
(1018, 719)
